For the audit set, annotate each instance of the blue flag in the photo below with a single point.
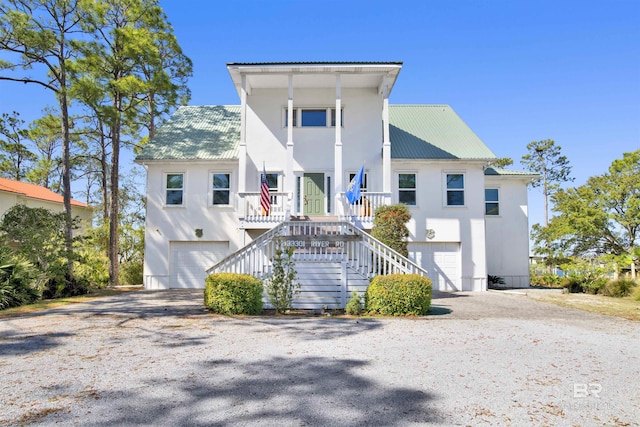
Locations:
(353, 191)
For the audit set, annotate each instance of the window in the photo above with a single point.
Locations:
(363, 184)
(333, 117)
(174, 189)
(328, 191)
(455, 189)
(286, 117)
(220, 189)
(272, 182)
(491, 201)
(314, 117)
(407, 188)
(298, 193)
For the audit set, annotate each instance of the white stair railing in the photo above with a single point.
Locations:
(329, 241)
(253, 259)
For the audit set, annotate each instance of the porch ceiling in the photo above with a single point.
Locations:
(314, 75)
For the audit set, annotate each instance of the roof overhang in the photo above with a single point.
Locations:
(263, 75)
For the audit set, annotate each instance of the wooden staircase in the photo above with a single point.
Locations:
(333, 258)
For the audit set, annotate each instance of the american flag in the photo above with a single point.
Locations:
(265, 198)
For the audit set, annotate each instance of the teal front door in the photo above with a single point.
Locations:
(313, 194)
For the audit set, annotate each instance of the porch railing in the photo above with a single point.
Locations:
(251, 211)
(331, 241)
(364, 209)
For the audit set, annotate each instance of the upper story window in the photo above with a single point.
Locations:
(491, 201)
(314, 117)
(286, 117)
(333, 117)
(221, 189)
(407, 188)
(455, 189)
(174, 189)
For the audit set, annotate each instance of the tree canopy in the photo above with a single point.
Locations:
(117, 67)
(599, 218)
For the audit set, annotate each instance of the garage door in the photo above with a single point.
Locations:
(442, 262)
(189, 260)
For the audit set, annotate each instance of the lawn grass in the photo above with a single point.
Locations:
(626, 308)
(53, 303)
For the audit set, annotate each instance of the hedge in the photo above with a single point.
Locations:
(398, 295)
(231, 293)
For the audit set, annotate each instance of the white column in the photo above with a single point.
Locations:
(386, 142)
(242, 149)
(337, 166)
(289, 179)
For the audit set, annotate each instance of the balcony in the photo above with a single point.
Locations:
(360, 213)
(253, 216)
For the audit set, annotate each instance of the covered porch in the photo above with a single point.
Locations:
(285, 206)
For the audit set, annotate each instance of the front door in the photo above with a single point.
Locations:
(313, 194)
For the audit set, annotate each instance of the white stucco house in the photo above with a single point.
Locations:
(309, 127)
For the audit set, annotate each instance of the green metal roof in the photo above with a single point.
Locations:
(494, 171)
(416, 132)
(197, 133)
(432, 132)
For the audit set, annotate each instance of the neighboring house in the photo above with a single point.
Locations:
(310, 127)
(35, 196)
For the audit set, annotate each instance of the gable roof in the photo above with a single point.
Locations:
(197, 133)
(34, 191)
(433, 132)
(416, 132)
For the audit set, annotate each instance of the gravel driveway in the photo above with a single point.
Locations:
(157, 358)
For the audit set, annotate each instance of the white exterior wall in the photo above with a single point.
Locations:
(460, 224)
(166, 224)
(491, 245)
(507, 233)
(314, 147)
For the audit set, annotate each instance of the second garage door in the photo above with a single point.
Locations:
(189, 260)
(442, 262)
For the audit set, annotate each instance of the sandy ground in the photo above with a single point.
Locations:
(158, 358)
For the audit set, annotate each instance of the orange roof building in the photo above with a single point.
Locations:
(35, 196)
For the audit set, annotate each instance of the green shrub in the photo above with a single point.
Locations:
(231, 293)
(573, 284)
(18, 280)
(389, 226)
(636, 293)
(131, 273)
(546, 280)
(281, 286)
(595, 286)
(354, 306)
(619, 288)
(63, 286)
(398, 295)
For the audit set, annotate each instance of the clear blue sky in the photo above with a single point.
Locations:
(514, 71)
